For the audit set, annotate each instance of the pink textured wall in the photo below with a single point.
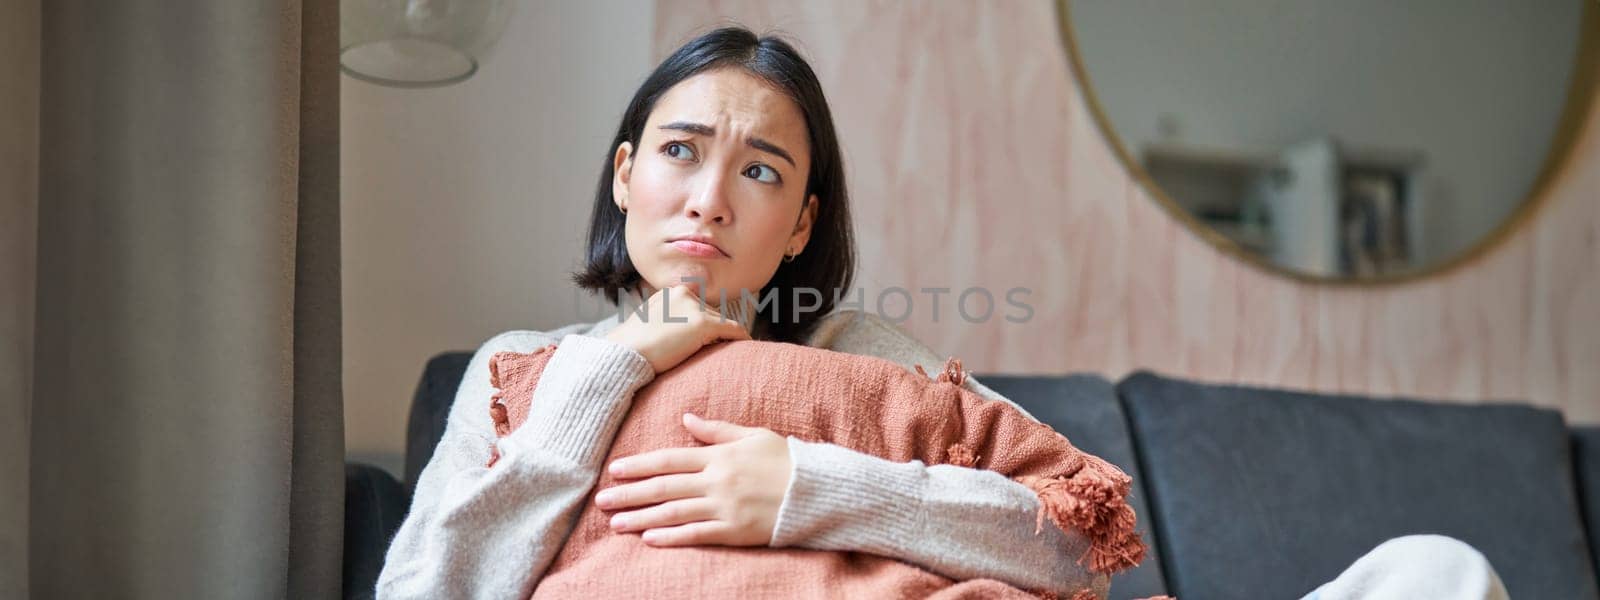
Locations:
(974, 161)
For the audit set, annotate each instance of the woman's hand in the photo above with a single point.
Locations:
(664, 341)
(724, 494)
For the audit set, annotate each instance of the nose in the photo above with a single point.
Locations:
(709, 201)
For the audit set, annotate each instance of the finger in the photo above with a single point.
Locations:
(660, 462)
(726, 330)
(684, 291)
(690, 534)
(681, 290)
(680, 301)
(668, 514)
(651, 491)
(715, 432)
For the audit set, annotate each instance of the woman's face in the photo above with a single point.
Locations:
(716, 190)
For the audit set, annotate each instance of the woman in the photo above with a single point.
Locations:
(725, 173)
(724, 182)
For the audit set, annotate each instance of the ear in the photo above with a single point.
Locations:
(802, 227)
(621, 172)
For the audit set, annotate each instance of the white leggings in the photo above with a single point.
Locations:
(1416, 566)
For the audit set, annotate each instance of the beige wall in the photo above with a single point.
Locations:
(19, 202)
(974, 161)
(463, 206)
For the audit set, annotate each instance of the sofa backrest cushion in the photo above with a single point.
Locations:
(1267, 494)
(1586, 464)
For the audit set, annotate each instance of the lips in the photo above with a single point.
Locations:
(698, 245)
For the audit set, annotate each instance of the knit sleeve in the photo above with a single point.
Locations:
(959, 522)
(476, 531)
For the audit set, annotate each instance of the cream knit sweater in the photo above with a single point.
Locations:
(467, 522)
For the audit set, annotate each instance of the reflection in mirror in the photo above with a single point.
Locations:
(1353, 139)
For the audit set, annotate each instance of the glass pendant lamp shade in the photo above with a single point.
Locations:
(418, 43)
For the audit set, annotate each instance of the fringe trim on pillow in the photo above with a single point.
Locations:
(962, 456)
(498, 412)
(953, 373)
(1092, 499)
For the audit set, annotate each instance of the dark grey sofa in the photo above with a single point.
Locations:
(1241, 492)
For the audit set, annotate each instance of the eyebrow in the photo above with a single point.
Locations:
(708, 131)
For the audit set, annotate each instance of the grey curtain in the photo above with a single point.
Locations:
(19, 176)
(187, 429)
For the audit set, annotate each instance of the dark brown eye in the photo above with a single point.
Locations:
(679, 151)
(762, 173)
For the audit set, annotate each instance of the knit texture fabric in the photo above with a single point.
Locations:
(863, 403)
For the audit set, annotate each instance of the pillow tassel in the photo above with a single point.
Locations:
(1091, 500)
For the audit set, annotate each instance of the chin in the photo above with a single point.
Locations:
(693, 274)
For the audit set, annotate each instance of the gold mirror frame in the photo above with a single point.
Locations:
(1574, 117)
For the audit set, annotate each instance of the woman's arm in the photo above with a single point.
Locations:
(478, 532)
(958, 522)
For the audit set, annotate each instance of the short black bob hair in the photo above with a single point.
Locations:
(828, 263)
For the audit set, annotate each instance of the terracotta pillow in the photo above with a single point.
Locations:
(863, 403)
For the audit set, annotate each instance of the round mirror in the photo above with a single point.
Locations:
(1357, 140)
